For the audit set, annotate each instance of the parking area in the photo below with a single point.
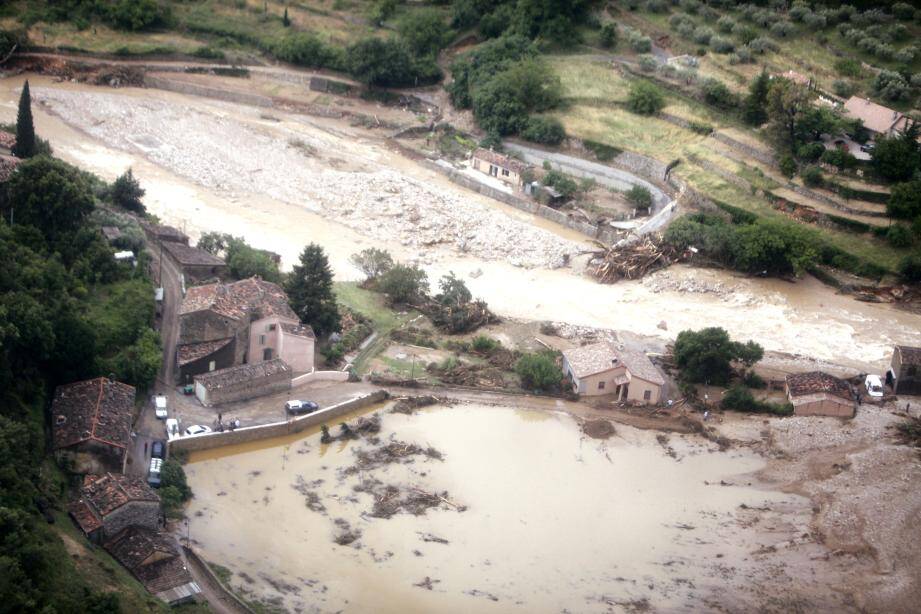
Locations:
(262, 410)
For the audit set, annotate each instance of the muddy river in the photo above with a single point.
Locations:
(536, 518)
(805, 318)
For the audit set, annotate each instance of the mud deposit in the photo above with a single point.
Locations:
(521, 512)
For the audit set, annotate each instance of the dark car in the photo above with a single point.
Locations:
(157, 449)
(301, 407)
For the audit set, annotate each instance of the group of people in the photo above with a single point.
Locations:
(232, 423)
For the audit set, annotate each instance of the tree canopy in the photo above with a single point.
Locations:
(310, 291)
(127, 193)
(706, 356)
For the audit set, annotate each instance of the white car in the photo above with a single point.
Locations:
(172, 429)
(874, 386)
(160, 407)
(198, 429)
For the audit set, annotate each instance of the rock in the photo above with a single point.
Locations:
(663, 325)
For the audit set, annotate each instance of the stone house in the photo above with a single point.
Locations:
(112, 502)
(91, 425)
(222, 325)
(155, 560)
(156, 233)
(876, 118)
(195, 264)
(819, 394)
(606, 368)
(504, 168)
(243, 382)
(904, 373)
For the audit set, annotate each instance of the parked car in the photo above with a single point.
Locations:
(153, 476)
(301, 407)
(198, 429)
(874, 386)
(157, 449)
(172, 429)
(160, 407)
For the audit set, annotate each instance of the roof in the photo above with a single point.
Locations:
(186, 255)
(8, 164)
(237, 300)
(909, 355)
(605, 356)
(494, 157)
(102, 495)
(241, 373)
(98, 409)
(111, 232)
(164, 233)
(817, 382)
(191, 352)
(298, 330)
(874, 116)
(152, 556)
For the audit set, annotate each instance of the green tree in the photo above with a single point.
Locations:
(910, 267)
(172, 475)
(26, 145)
(310, 291)
(285, 21)
(897, 157)
(544, 130)
(607, 38)
(50, 195)
(706, 356)
(716, 93)
(787, 103)
(127, 193)
(539, 371)
(754, 109)
(425, 31)
(373, 262)
(244, 262)
(138, 14)
(639, 196)
(905, 200)
(645, 98)
(454, 292)
(403, 284)
(774, 247)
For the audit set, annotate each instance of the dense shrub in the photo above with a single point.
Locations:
(641, 44)
(706, 356)
(762, 45)
(848, 67)
(899, 235)
(722, 45)
(843, 88)
(787, 166)
(307, 50)
(607, 37)
(544, 130)
(910, 267)
(702, 35)
(891, 85)
(645, 98)
(648, 63)
(905, 201)
(839, 158)
(781, 29)
(425, 32)
(812, 176)
(903, 11)
(815, 21)
(639, 196)
(138, 14)
(716, 93)
(539, 372)
(725, 24)
(740, 398)
(810, 152)
(389, 63)
(403, 284)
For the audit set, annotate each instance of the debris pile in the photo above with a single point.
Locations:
(362, 427)
(408, 405)
(393, 452)
(465, 374)
(457, 319)
(598, 429)
(632, 261)
(345, 534)
(391, 500)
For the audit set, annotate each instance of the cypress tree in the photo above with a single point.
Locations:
(25, 146)
(310, 291)
(284, 20)
(754, 110)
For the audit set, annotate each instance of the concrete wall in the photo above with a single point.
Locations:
(135, 513)
(320, 376)
(276, 429)
(196, 89)
(823, 405)
(297, 351)
(243, 390)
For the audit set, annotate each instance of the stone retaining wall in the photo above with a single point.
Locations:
(804, 191)
(748, 150)
(320, 376)
(194, 89)
(275, 429)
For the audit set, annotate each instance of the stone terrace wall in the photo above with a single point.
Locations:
(275, 429)
(194, 89)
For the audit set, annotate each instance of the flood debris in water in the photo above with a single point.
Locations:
(429, 538)
(409, 405)
(598, 429)
(427, 583)
(394, 452)
(390, 499)
(478, 593)
(362, 427)
(663, 441)
(279, 585)
(345, 535)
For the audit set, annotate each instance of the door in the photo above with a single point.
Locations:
(267, 354)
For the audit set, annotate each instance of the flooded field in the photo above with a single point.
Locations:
(529, 515)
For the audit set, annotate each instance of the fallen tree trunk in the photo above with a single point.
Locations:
(633, 261)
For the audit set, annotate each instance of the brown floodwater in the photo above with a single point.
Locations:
(554, 521)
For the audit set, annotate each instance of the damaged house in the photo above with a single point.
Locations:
(91, 425)
(156, 561)
(904, 374)
(112, 502)
(195, 264)
(244, 322)
(504, 168)
(606, 368)
(819, 394)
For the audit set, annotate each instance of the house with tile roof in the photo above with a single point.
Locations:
(243, 382)
(607, 368)
(505, 168)
(817, 393)
(876, 118)
(245, 322)
(154, 558)
(112, 502)
(91, 425)
(904, 373)
(195, 264)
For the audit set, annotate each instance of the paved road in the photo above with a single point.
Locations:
(602, 173)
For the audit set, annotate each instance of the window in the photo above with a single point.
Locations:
(493, 170)
(647, 395)
(271, 327)
(600, 385)
(211, 366)
(505, 172)
(261, 339)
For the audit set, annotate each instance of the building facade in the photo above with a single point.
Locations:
(243, 382)
(506, 169)
(820, 394)
(904, 373)
(607, 369)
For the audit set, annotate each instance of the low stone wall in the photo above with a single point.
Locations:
(804, 191)
(748, 150)
(194, 89)
(320, 376)
(275, 429)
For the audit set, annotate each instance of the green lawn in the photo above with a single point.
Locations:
(372, 306)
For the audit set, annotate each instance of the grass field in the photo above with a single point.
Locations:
(372, 306)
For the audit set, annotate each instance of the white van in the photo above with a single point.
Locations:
(172, 429)
(153, 476)
(160, 407)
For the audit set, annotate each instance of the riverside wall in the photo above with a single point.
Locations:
(275, 429)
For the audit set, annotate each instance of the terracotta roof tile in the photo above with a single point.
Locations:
(501, 160)
(191, 352)
(909, 355)
(239, 300)
(298, 330)
(605, 356)
(97, 409)
(816, 382)
(241, 373)
(874, 116)
(192, 256)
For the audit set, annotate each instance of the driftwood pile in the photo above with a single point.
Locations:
(633, 261)
(459, 318)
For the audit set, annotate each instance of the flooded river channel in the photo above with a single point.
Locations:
(533, 516)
